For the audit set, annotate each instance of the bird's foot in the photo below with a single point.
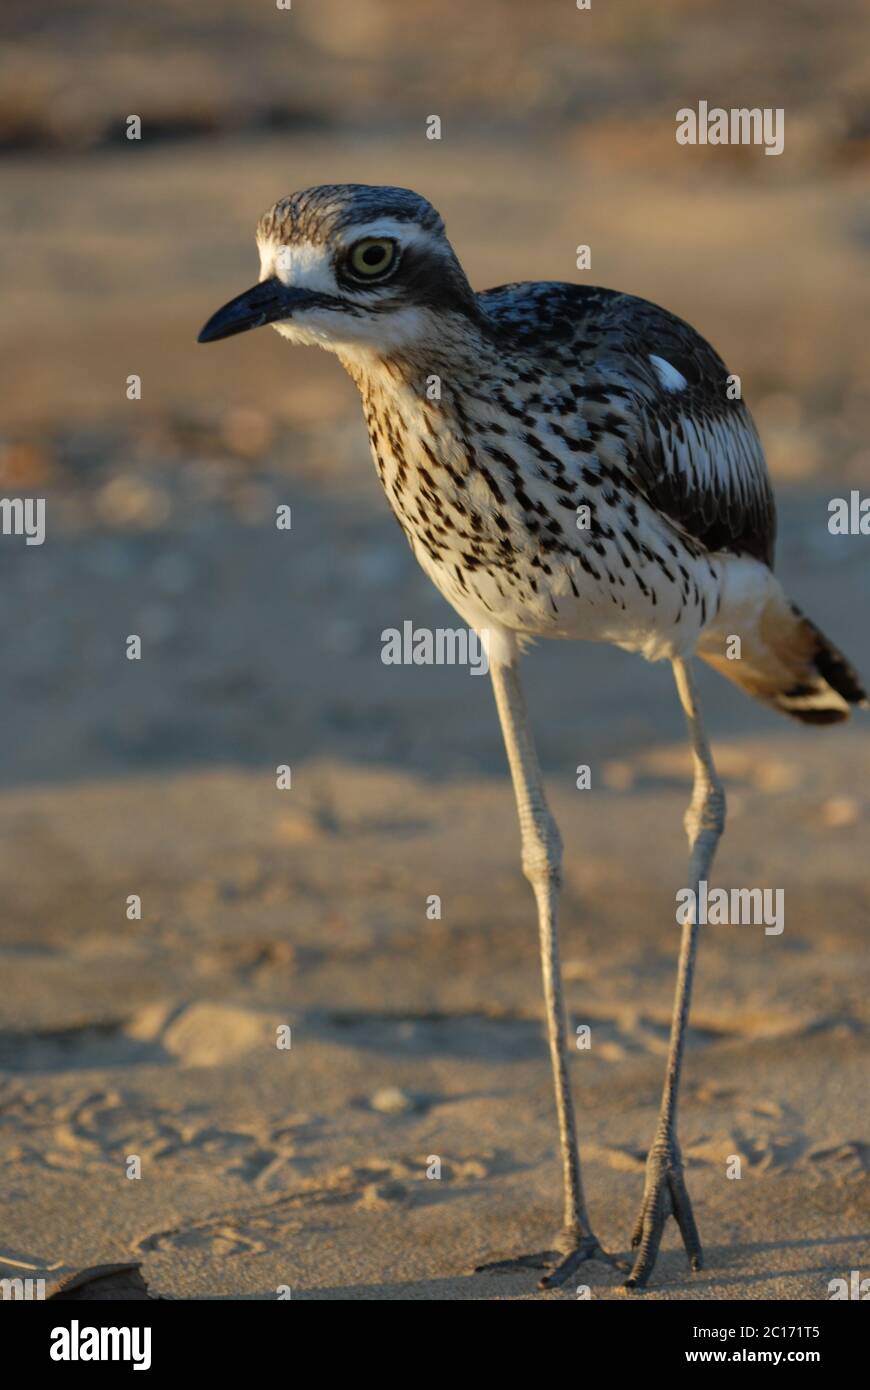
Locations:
(571, 1249)
(664, 1194)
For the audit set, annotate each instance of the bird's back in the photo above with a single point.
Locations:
(660, 394)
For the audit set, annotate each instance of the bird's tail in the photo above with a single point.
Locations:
(780, 657)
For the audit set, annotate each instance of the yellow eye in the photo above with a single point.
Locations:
(372, 256)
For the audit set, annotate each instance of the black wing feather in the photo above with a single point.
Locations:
(694, 452)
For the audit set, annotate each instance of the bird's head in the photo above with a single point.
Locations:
(351, 268)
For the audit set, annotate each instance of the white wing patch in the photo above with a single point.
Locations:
(670, 378)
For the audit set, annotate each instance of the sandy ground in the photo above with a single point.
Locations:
(262, 1168)
(412, 1038)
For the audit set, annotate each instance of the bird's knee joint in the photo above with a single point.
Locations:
(707, 813)
(542, 854)
(714, 808)
(546, 870)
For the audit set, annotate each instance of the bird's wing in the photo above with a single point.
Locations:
(658, 401)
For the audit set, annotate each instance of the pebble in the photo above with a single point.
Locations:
(129, 501)
(390, 1100)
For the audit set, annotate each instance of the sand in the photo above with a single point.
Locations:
(411, 1038)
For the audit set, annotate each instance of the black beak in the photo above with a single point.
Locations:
(265, 303)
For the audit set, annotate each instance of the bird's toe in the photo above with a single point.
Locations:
(570, 1251)
(665, 1194)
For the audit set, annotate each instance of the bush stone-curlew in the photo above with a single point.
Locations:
(583, 469)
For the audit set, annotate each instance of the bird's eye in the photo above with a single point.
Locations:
(373, 256)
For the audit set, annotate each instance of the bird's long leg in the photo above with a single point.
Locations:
(542, 856)
(665, 1191)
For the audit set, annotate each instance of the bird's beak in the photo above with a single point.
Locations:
(265, 303)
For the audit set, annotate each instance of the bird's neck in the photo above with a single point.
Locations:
(411, 397)
(420, 406)
(421, 365)
(432, 378)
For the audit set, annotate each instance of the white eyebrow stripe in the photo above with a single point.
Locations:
(405, 233)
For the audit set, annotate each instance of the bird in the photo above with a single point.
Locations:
(566, 462)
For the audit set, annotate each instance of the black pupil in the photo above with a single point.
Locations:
(374, 255)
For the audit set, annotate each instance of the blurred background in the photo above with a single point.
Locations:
(263, 647)
(558, 129)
